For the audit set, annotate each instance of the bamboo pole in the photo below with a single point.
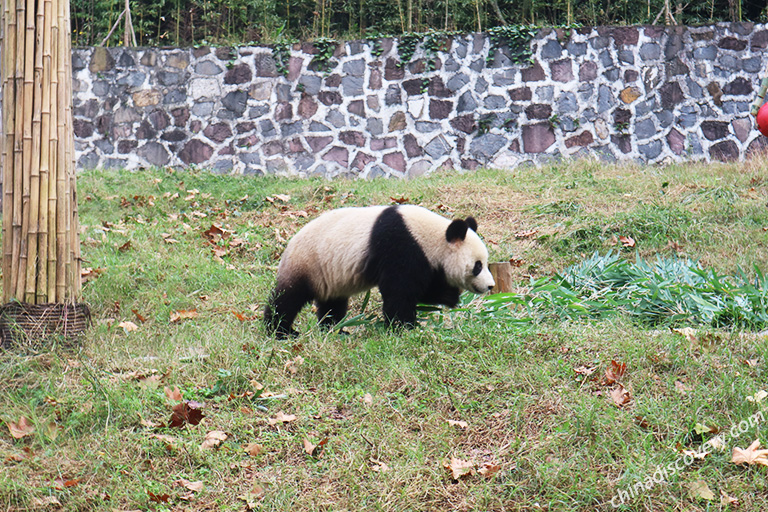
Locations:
(18, 156)
(41, 291)
(54, 158)
(62, 204)
(9, 94)
(34, 194)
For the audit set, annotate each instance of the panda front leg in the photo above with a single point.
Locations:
(399, 306)
(331, 311)
(284, 305)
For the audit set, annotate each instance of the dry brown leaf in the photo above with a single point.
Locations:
(213, 439)
(627, 241)
(128, 326)
(681, 388)
(171, 442)
(700, 489)
(183, 314)
(458, 423)
(280, 417)
(726, 500)
(192, 486)
(314, 450)
(750, 455)
(186, 412)
(254, 449)
(292, 365)
(459, 468)
(367, 399)
(379, 466)
(46, 502)
(585, 370)
(694, 454)
(173, 394)
(758, 397)
(23, 428)
(526, 234)
(488, 469)
(620, 396)
(689, 333)
(139, 317)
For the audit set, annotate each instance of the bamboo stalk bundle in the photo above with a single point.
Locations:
(41, 246)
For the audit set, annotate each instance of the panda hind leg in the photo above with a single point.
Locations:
(332, 311)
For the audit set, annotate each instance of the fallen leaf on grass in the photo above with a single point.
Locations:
(526, 234)
(313, 450)
(292, 365)
(253, 497)
(681, 388)
(173, 394)
(186, 412)
(170, 441)
(280, 417)
(757, 397)
(213, 439)
(726, 500)
(139, 317)
(620, 396)
(458, 423)
(459, 468)
(46, 502)
(717, 443)
(615, 372)
(192, 486)
(367, 399)
(750, 455)
(128, 326)
(488, 469)
(584, 370)
(158, 498)
(627, 241)
(694, 454)
(183, 314)
(700, 489)
(378, 466)
(688, 333)
(254, 449)
(23, 428)
(60, 484)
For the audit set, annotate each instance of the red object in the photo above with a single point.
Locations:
(762, 119)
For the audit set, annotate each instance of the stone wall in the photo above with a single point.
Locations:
(652, 94)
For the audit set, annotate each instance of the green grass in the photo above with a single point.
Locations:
(561, 442)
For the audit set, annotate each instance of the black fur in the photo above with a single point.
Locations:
(397, 265)
(394, 262)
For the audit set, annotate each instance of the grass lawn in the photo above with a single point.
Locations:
(177, 400)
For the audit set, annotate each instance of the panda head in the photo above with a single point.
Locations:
(466, 264)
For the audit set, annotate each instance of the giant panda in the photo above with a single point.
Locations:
(410, 253)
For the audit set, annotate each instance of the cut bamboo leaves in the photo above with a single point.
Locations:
(41, 247)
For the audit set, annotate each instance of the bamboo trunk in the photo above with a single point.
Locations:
(41, 247)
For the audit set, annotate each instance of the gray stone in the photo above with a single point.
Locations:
(89, 160)
(612, 74)
(105, 146)
(288, 129)
(730, 62)
(650, 150)
(466, 103)
(283, 92)
(551, 50)
(267, 128)
(644, 129)
(505, 78)
(742, 128)
(599, 42)
(694, 90)
(567, 103)
(168, 78)
(126, 115)
(494, 102)
(154, 153)
(258, 111)
(133, 79)
(666, 118)
(175, 97)
(687, 120)
(427, 126)
(235, 101)
(752, 65)
(374, 126)
(265, 65)
(393, 95)
(705, 53)
(451, 64)
(481, 85)
(437, 147)
(487, 145)
(354, 68)
(544, 93)
(605, 58)
(207, 67)
(336, 118)
(318, 127)
(605, 99)
(562, 70)
(457, 81)
(100, 88)
(311, 84)
(576, 49)
(650, 51)
(645, 107)
(626, 56)
(736, 107)
(352, 85)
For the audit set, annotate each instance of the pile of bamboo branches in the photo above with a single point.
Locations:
(41, 249)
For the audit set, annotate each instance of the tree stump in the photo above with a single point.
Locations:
(502, 275)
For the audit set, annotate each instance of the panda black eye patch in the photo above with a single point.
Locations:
(478, 267)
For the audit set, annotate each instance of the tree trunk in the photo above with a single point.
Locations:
(41, 246)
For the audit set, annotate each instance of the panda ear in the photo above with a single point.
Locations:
(457, 230)
(472, 223)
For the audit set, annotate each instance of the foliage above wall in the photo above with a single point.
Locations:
(177, 23)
